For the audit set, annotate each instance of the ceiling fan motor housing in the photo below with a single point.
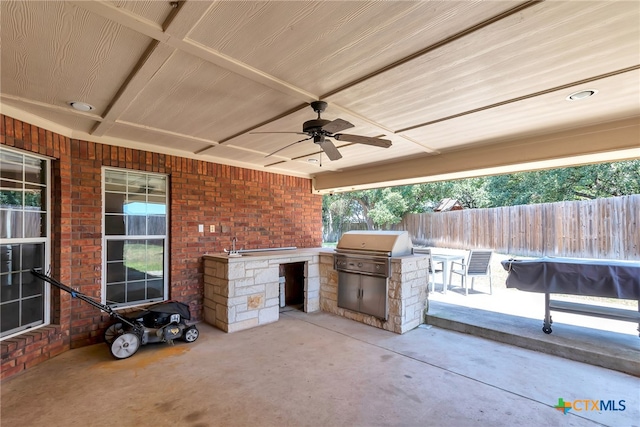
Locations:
(315, 126)
(319, 106)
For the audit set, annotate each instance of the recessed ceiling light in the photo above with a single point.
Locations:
(81, 106)
(583, 94)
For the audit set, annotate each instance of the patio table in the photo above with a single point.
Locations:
(446, 259)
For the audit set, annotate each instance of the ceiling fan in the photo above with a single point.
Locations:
(319, 130)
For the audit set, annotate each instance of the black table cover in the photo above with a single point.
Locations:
(575, 276)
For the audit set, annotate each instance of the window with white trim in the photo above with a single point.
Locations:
(24, 241)
(135, 255)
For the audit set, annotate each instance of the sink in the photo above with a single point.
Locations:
(261, 253)
(269, 252)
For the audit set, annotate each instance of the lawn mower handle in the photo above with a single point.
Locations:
(83, 297)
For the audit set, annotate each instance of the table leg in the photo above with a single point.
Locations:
(546, 327)
(445, 276)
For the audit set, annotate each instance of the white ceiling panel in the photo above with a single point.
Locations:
(543, 114)
(59, 119)
(157, 140)
(448, 82)
(192, 97)
(55, 52)
(152, 10)
(322, 47)
(536, 50)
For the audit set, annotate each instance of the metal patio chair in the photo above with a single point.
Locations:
(478, 264)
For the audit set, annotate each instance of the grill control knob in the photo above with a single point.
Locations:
(360, 264)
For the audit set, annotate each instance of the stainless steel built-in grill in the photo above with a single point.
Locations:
(363, 263)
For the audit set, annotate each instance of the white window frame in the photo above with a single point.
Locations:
(27, 240)
(106, 238)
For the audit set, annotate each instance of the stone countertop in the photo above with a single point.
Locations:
(285, 253)
(268, 254)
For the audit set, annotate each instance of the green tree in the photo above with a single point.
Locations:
(555, 185)
(383, 207)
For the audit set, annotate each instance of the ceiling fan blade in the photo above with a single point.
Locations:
(336, 126)
(330, 150)
(368, 140)
(287, 146)
(297, 133)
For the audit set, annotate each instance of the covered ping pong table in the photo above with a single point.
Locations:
(578, 276)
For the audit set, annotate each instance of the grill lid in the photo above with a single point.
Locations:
(392, 243)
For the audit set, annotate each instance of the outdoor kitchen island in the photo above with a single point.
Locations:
(244, 292)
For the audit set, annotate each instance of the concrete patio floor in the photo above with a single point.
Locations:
(516, 317)
(317, 370)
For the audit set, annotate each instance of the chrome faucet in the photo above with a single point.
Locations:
(233, 250)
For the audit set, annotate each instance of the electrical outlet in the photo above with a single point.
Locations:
(212, 228)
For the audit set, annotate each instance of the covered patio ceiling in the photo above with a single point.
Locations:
(460, 88)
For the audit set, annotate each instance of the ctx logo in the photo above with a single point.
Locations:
(590, 405)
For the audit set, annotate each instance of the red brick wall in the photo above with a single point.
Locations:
(261, 209)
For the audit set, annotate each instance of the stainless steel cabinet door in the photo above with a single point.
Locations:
(373, 297)
(349, 291)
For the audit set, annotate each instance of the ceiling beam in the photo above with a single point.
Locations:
(608, 141)
(156, 55)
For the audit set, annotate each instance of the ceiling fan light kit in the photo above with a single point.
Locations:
(320, 129)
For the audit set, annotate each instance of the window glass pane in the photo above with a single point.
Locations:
(115, 293)
(31, 286)
(136, 204)
(157, 225)
(115, 250)
(116, 179)
(155, 258)
(115, 272)
(34, 224)
(34, 170)
(114, 202)
(7, 184)
(137, 183)
(11, 165)
(9, 258)
(116, 187)
(135, 254)
(9, 316)
(32, 310)
(136, 291)
(135, 274)
(32, 256)
(157, 185)
(160, 201)
(10, 224)
(34, 196)
(136, 225)
(114, 225)
(10, 286)
(11, 198)
(155, 288)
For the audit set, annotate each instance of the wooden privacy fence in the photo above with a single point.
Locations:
(601, 228)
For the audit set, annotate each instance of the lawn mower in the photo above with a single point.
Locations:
(161, 322)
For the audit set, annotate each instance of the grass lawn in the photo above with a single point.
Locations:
(141, 257)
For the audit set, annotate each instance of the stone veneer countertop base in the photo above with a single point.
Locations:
(242, 292)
